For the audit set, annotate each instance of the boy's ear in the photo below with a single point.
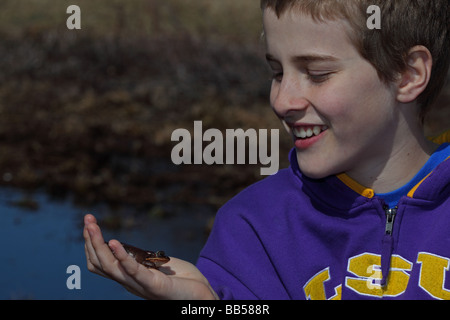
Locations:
(414, 80)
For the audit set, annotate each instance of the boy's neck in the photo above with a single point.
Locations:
(388, 173)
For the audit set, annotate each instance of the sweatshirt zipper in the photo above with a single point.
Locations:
(387, 243)
(390, 217)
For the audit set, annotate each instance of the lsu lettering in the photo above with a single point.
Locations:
(365, 270)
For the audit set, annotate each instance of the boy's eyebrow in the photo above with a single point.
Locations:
(305, 58)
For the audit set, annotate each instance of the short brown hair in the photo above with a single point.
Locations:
(405, 24)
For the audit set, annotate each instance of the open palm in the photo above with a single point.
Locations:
(177, 279)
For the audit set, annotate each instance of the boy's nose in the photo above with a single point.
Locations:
(287, 98)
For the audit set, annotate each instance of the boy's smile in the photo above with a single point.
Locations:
(305, 135)
(342, 117)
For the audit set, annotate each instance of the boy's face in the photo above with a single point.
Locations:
(341, 116)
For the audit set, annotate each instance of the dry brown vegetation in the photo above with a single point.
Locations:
(92, 114)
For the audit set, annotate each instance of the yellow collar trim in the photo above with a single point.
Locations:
(441, 139)
(413, 190)
(370, 193)
(355, 186)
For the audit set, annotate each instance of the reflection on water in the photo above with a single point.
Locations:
(41, 237)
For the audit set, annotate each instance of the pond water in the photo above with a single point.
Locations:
(40, 241)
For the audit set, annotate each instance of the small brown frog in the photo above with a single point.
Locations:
(147, 258)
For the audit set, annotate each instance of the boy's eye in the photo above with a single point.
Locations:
(314, 77)
(319, 78)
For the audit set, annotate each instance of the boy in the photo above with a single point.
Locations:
(363, 210)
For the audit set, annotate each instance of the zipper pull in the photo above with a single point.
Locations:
(390, 217)
(387, 244)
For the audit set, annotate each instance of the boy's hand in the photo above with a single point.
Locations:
(177, 279)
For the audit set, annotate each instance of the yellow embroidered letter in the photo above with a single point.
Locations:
(315, 289)
(432, 275)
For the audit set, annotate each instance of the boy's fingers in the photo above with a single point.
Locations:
(93, 263)
(89, 218)
(89, 249)
(101, 256)
(129, 265)
(126, 269)
(143, 277)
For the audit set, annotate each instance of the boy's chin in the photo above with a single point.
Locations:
(315, 173)
(315, 176)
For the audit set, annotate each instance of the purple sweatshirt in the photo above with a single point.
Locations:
(291, 237)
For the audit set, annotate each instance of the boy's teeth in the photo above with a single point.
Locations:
(316, 130)
(308, 132)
